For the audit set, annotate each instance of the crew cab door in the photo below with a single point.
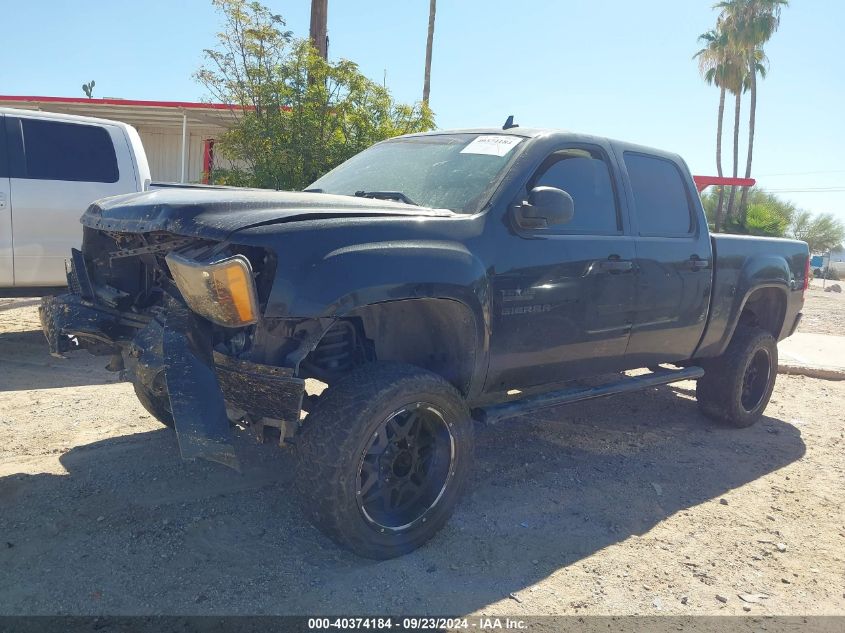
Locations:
(7, 272)
(673, 259)
(58, 168)
(563, 296)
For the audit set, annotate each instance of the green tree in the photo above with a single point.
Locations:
(773, 216)
(767, 215)
(298, 115)
(822, 232)
(766, 220)
(749, 24)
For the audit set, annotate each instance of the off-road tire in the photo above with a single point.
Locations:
(720, 390)
(338, 435)
(156, 406)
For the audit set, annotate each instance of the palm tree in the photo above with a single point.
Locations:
(737, 91)
(749, 24)
(758, 64)
(719, 67)
(711, 65)
(432, 9)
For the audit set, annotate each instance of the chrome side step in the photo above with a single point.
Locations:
(512, 408)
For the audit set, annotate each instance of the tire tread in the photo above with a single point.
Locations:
(716, 390)
(328, 436)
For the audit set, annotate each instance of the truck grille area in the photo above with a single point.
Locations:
(128, 271)
(125, 270)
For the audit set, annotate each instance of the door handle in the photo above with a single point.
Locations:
(615, 265)
(2, 200)
(696, 263)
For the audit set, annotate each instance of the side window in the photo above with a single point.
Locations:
(68, 151)
(584, 175)
(660, 196)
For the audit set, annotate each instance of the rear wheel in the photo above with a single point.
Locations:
(737, 386)
(384, 458)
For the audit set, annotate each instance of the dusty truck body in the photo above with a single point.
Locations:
(423, 281)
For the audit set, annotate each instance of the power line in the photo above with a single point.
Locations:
(808, 190)
(804, 173)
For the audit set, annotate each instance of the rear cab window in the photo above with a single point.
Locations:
(584, 174)
(76, 152)
(661, 199)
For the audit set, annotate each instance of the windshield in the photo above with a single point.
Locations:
(444, 171)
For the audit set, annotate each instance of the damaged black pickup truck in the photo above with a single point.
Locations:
(430, 281)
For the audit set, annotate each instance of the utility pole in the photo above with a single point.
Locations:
(432, 9)
(319, 27)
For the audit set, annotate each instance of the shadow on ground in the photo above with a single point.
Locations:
(23, 351)
(132, 529)
(16, 304)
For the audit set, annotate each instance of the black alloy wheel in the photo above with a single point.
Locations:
(406, 468)
(756, 379)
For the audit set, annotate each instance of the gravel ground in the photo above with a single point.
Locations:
(617, 506)
(824, 312)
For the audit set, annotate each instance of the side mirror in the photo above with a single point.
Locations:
(546, 206)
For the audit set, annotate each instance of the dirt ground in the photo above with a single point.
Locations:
(634, 505)
(824, 312)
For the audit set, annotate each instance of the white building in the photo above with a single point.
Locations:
(178, 136)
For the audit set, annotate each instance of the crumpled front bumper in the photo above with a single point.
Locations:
(199, 380)
(71, 323)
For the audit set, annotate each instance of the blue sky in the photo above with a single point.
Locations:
(614, 68)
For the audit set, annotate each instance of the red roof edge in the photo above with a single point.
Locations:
(702, 182)
(188, 105)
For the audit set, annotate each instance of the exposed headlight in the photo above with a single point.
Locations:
(222, 291)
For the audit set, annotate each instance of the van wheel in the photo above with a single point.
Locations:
(383, 458)
(737, 385)
(156, 406)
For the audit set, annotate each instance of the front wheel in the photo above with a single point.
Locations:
(736, 386)
(384, 458)
(156, 404)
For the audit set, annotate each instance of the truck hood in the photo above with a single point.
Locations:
(216, 213)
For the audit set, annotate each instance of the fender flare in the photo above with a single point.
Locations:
(757, 273)
(351, 278)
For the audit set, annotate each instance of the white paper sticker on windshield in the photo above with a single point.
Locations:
(497, 145)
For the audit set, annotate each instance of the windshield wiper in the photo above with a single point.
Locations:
(386, 195)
